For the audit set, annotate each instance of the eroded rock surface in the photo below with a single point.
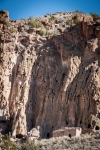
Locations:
(50, 82)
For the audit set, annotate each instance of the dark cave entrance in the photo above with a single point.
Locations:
(48, 135)
(89, 126)
(97, 128)
(66, 122)
(80, 122)
(70, 135)
(19, 136)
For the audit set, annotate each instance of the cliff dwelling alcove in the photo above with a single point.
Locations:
(19, 136)
(70, 135)
(97, 128)
(89, 126)
(48, 135)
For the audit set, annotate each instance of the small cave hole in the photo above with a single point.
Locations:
(3, 121)
(96, 128)
(19, 136)
(66, 122)
(80, 122)
(48, 135)
(70, 135)
(89, 126)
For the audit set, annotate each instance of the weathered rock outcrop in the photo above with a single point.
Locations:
(50, 83)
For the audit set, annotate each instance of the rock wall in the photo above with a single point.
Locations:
(53, 83)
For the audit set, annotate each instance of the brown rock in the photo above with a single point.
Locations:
(51, 84)
(1, 26)
(98, 22)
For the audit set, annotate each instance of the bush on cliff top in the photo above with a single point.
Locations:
(12, 30)
(34, 23)
(52, 18)
(95, 16)
(76, 21)
(29, 146)
(3, 20)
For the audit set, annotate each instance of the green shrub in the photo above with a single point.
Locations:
(55, 32)
(58, 32)
(29, 146)
(39, 24)
(12, 30)
(31, 22)
(68, 22)
(47, 32)
(76, 21)
(0, 17)
(8, 144)
(53, 18)
(3, 20)
(34, 23)
(41, 32)
(95, 16)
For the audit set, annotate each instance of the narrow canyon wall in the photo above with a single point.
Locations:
(51, 84)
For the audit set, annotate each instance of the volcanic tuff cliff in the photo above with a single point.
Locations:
(49, 81)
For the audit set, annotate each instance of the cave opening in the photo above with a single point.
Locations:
(48, 135)
(19, 136)
(70, 135)
(89, 126)
(66, 122)
(80, 122)
(97, 128)
(3, 121)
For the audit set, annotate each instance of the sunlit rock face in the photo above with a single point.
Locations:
(50, 83)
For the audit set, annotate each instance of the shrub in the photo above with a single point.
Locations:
(39, 24)
(29, 146)
(12, 30)
(8, 144)
(58, 32)
(53, 18)
(68, 22)
(47, 32)
(31, 22)
(76, 21)
(41, 32)
(61, 20)
(55, 32)
(0, 17)
(5, 27)
(34, 23)
(3, 20)
(95, 16)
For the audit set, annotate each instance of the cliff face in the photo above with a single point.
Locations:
(50, 83)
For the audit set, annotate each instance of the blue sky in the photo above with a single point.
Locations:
(24, 8)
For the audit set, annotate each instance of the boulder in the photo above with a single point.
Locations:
(98, 22)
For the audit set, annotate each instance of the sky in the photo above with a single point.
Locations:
(25, 8)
